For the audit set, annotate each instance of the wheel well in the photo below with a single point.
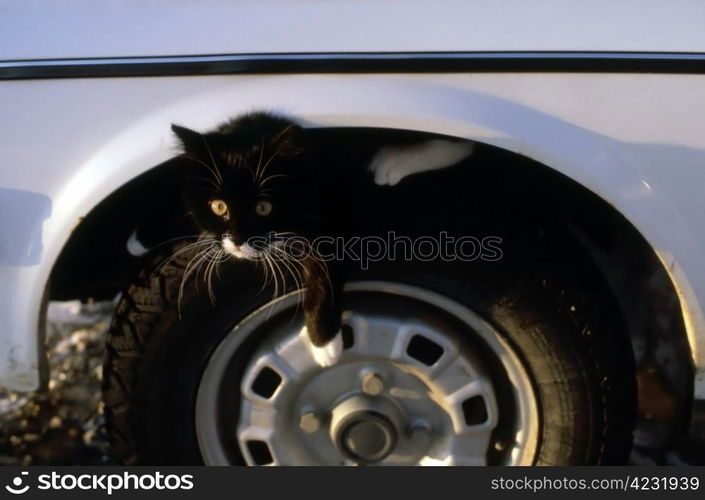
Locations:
(95, 263)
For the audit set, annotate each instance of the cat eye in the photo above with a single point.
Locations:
(219, 208)
(263, 208)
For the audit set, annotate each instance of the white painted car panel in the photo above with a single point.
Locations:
(38, 29)
(636, 140)
(633, 139)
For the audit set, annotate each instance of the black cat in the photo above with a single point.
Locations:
(264, 188)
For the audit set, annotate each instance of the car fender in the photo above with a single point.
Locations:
(112, 130)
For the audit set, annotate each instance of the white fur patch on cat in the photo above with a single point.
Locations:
(392, 163)
(326, 355)
(243, 251)
(134, 246)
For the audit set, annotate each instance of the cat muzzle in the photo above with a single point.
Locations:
(243, 251)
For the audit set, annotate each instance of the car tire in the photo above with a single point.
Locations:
(553, 308)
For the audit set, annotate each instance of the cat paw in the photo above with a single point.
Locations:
(392, 163)
(327, 355)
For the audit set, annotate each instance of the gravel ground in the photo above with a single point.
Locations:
(64, 425)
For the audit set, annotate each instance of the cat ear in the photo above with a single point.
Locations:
(288, 142)
(191, 141)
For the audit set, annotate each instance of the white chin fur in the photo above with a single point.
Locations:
(239, 252)
(327, 355)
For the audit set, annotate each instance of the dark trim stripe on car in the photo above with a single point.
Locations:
(378, 62)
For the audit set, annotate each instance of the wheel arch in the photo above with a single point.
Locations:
(594, 161)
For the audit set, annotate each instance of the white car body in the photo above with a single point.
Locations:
(637, 140)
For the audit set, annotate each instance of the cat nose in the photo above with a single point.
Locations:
(233, 237)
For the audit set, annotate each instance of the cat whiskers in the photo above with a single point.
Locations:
(203, 239)
(292, 266)
(271, 177)
(215, 173)
(215, 166)
(272, 267)
(259, 162)
(213, 255)
(171, 240)
(215, 259)
(282, 262)
(260, 173)
(199, 259)
(209, 249)
(278, 263)
(241, 163)
(310, 252)
(203, 179)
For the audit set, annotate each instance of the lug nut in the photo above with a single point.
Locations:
(420, 433)
(372, 384)
(309, 422)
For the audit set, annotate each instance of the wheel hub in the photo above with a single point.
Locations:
(369, 438)
(408, 389)
(363, 431)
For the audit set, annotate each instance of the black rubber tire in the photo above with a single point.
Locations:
(553, 307)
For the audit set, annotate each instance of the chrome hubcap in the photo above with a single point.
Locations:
(412, 387)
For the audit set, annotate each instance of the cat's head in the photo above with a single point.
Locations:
(248, 180)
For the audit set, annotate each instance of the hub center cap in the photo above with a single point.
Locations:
(365, 430)
(368, 437)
